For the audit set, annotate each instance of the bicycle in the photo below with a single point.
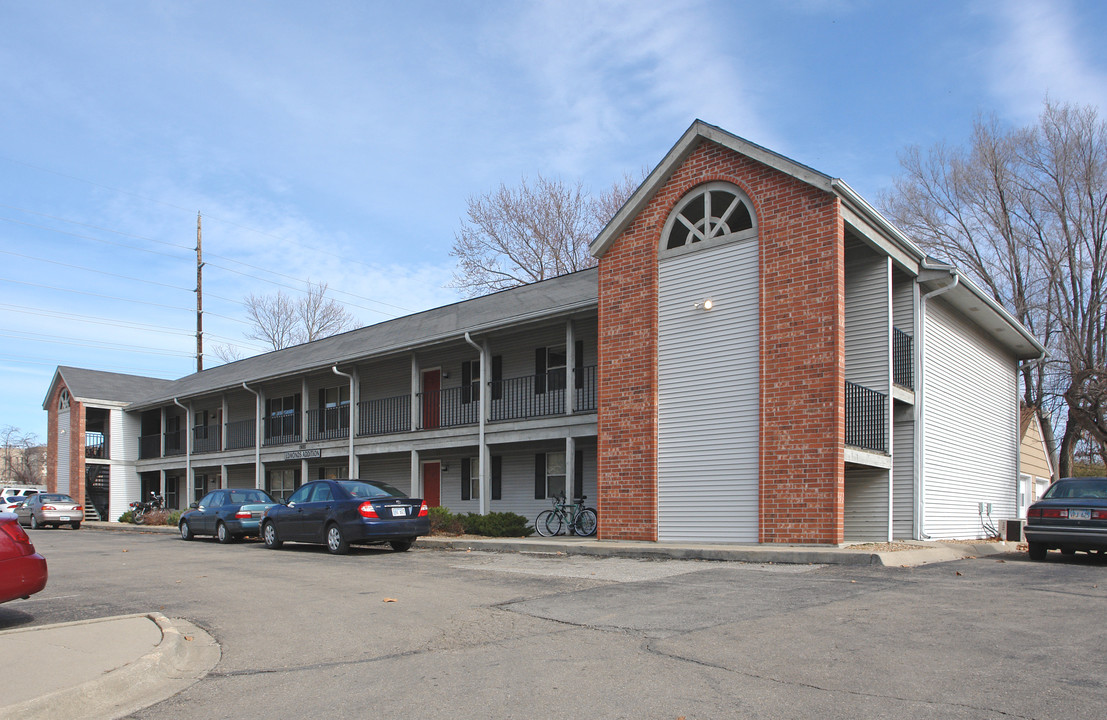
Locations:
(579, 519)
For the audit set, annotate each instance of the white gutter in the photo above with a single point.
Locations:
(485, 486)
(189, 489)
(257, 437)
(350, 424)
(920, 398)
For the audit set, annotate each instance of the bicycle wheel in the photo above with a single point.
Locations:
(586, 522)
(547, 523)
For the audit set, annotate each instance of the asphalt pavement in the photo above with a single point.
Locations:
(111, 667)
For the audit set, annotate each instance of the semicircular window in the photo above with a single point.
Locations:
(713, 211)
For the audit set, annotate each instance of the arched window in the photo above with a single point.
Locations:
(709, 213)
(63, 399)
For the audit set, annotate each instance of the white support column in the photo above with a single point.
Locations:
(223, 410)
(570, 467)
(303, 409)
(161, 475)
(485, 460)
(415, 384)
(416, 476)
(224, 479)
(570, 368)
(355, 421)
(303, 470)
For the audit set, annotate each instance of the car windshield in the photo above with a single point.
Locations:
(1095, 488)
(243, 497)
(55, 497)
(370, 490)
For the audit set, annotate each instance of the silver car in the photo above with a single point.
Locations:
(50, 509)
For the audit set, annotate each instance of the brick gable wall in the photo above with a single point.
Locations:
(802, 355)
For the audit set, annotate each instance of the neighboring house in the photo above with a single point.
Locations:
(759, 357)
(1035, 464)
(22, 465)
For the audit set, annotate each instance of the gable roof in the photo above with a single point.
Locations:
(543, 299)
(91, 385)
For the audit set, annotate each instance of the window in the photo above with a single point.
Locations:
(281, 483)
(335, 404)
(212, 500)
(63, 399)
(300, 495)
(470, 381)
(200, 424)
(332, 473)
(201, 487)
(322, 493)
(710, 212)
(470, 478)
(549, 368)
(549, 475)
(283, 417)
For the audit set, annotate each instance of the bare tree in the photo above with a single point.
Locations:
(320, 316)
(1024, 211)
(535, 231)
(23, 460)
(274, 319)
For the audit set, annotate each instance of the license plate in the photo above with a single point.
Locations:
(1080, 514)
(399, 511)
(64, 517)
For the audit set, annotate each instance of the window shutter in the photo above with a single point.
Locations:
(466, 382)
(497, 377)
(540, 476)
(497, 476)
(578, 474)
(578, 365)
(299, 411)
(465, 479)
(540, 370)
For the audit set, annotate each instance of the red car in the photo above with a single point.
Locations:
(22, 570)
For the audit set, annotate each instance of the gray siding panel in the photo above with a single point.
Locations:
(971, 426)
(866, 511)
(867, 317)
(63, 451)
(903, 472)
(708, 369)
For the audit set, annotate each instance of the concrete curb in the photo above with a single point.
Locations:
(185, 655)
(101, 525)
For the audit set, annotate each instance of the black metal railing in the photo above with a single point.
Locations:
(281, 431)
(329, 423)
(586, 398)
(149, 446)
(96, 445)
(447, 408)
(240, 434)
(528, 396)
(205, 438)
(385, 415)
(903, 359)
(866, 418)
(174, 443)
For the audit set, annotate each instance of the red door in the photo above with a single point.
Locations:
(432, 385)
(432, 477)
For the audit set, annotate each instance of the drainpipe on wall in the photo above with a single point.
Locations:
(482, 465)
(257, 437)
(189, 482)
(920, 397)
(350, 424)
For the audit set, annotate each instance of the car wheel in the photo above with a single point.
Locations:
(34, 523)
(1036, 550)
(75, 526)
(336, 544)
(402, 545)
(186, 531)
(269, 535)
(222, 535)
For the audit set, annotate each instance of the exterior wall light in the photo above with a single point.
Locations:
(704, 305)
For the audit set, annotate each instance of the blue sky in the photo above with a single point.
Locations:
(339, 141)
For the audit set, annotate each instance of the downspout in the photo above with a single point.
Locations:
(257, 436)
(350, 423)
(189, 485)
(481, 470)
(920, 397)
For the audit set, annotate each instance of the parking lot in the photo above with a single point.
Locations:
(463, 634)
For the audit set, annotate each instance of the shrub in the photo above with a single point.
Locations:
(174, 518)
(157, 517)
(127, 517)
(444, 522)
(499, 524)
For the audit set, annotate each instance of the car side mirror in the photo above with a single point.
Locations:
(194, 505)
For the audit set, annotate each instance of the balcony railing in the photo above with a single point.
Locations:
(385, 415)
(281, 430)
(520, 397)
(866, 418)
(329, 423)
(447, 408)
(205, 438)
(586, 399)
(240, 434)
(174, 443)
(149, 446)
(903, 359)
(96, 445)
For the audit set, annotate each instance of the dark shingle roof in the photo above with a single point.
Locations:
(87, 385)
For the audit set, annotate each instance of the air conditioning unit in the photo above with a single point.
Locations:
(1012, 530)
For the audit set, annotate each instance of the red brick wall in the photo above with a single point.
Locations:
(802, 342)
(77, 451)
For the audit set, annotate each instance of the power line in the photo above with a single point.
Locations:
(39, 337)
(85, 268)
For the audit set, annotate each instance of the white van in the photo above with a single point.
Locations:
(14, 491)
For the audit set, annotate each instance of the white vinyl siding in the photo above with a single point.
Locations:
(866, 511)
(903, 472)
(868, 320)
(971, 426)
(240, 476)
(708, 369)
(394, 469)
(63, 451)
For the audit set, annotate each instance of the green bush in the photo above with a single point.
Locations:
(444, 522)
(174, 518)
(499, 524)
(127, 517)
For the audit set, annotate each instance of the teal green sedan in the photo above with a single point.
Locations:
(227, 515)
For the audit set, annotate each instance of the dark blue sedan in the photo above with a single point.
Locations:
(226, 514)
(1070, 516)
(339, 513)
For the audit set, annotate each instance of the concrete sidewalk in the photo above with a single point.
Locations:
(102, 668)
